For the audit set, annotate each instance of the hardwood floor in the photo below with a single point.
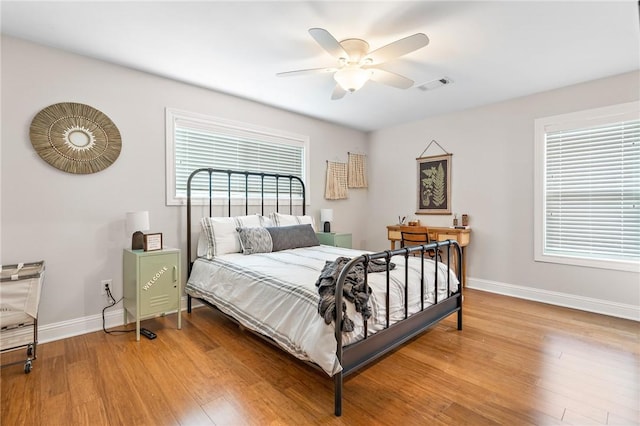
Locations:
(515, 363)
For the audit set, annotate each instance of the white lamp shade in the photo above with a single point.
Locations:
(352, 78)
(326, 215)
(137, 221)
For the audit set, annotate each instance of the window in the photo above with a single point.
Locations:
(195, 141)
(587, 188)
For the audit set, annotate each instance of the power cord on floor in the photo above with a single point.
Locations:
(112, 303)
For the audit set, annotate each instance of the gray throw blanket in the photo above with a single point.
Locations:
(353, 289)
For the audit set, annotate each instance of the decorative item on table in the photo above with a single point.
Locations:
(455, 219)
(136, 223)
(465, 220)
(326, 216)
(414, 222)
(152, 242)
(401, 220)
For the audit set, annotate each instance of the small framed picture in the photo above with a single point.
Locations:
(152, 242)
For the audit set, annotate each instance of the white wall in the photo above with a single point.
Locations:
(492, 181)
(76, 222)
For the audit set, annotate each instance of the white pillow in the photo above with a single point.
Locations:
(221, 233)
(280, 219)
(266, 221)
(203, 245)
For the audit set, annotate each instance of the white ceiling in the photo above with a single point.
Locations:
(492, 51)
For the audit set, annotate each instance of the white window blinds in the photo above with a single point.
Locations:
(200, 142)
(592, 192)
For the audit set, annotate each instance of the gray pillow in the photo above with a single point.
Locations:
(255, 240)
(290, 237)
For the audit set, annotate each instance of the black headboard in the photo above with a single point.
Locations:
(228, 174)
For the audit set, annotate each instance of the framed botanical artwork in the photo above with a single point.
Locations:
(434, 185)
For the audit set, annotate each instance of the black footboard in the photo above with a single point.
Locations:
(372, 347)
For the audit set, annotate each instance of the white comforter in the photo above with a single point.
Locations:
(275, 295)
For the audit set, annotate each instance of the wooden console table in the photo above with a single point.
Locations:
(462, 236)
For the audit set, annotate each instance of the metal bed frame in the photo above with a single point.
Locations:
(371, 347)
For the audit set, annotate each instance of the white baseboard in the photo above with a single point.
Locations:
(115, 317)
(78, 326)
(588, 304)
(75, 327)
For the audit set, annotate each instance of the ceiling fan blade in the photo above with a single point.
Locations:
(390, 78)
(398, 48)
(328, 42)
(306, 72)
(338, 93)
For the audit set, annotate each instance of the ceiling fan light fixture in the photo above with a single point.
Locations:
(357, 64)
(352, 78)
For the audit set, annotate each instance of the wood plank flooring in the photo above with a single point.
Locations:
(515, 362)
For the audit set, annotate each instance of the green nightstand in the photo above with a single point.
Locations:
(151, 281)
(335, 239)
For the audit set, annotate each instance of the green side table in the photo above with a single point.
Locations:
(151, 281)
(336, 239)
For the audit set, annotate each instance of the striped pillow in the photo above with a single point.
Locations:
(280, 219)
(222, 237)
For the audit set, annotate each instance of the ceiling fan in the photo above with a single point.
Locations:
(356, 65)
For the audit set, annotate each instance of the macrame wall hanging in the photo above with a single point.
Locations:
(357, 176)
(336, 185)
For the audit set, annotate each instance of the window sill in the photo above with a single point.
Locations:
(617, 265)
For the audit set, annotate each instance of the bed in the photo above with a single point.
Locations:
(269, 274)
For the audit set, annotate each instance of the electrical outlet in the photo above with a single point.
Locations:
(104, 284)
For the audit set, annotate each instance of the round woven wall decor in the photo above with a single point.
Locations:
(75, 138)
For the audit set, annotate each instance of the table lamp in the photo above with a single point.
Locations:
(136, 223)
(326, 216)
